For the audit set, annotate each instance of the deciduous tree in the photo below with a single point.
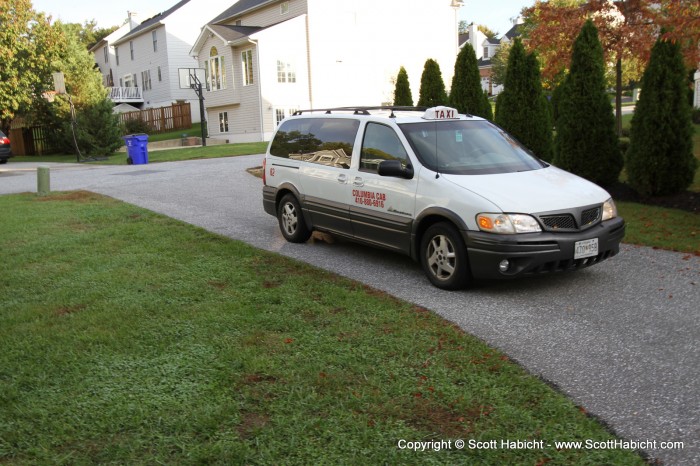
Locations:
(627, 28)
(29, 44)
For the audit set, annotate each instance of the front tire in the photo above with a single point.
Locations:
(443, 256)
(291, 220)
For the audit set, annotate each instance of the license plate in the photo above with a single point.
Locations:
(586, 248)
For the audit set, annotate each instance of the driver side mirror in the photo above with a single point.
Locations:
(395, 169)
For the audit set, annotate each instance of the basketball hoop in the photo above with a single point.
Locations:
(50, 96)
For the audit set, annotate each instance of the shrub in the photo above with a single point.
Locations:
(432, 87)
(586, 142)
(466, 94)
(696, 116)
(522, 109)
(660, 159)
(402, 92)
(136, 126)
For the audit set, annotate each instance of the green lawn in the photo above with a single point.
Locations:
(131, 338)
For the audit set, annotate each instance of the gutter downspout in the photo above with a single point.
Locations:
(260, 102)
(308, 62)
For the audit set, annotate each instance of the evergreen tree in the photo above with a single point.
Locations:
(660, 157)
(466, 94)
(586, 142)
(522, 108)
(402, 92)
(432, 87)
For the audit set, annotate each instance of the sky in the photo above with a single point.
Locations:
(496, 14)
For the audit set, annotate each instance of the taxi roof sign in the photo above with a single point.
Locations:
(441, 113)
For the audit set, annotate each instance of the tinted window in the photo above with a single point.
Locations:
(380, 143)
(468, 148)
(326, 141)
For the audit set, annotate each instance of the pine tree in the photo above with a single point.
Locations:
(466, 94)
(522, 108)
(660, 157)
(432, 87)
(586, 143)
(402, 92)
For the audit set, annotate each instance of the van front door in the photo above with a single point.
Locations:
(382, 207)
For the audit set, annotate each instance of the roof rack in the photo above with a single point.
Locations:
(363, 110)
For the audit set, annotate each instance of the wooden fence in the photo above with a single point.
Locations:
(162, 119)
(30, 141)
(33, 140)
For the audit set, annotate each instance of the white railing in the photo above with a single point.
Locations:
(125, 94)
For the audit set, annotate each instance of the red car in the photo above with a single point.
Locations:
(5, 152)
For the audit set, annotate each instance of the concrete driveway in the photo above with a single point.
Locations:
(620, 338)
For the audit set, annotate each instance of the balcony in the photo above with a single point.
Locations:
(121, 95)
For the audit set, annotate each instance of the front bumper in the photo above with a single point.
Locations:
(538, 253)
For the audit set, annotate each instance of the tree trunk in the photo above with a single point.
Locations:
(618, 96)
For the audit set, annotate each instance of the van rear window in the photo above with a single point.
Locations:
(326, 141)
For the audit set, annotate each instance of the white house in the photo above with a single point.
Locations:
(103, 52)
(266, 58)
(485, 48)
(141, 64)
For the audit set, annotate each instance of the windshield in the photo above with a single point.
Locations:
(468, 148)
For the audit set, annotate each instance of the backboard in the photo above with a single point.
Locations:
(190, 77)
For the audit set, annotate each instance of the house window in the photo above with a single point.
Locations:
(285, 72)
(129, 80)
(486, 52)
(116, 54)
(216, 70)
(131, 49)
(154, 34)
(146, 80)
(223, 122)
(279, 116)
(238, 22)
(160, 78)
(105, 49)
(284, 8)
(247, 62)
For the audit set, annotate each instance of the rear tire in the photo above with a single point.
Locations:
(291, 220)
(443, 256)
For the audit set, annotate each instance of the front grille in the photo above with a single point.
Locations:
(590, 216)
(559, 222)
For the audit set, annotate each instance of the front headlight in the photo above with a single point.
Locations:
(507, 224)
(609, 210)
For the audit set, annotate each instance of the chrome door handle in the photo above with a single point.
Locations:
(359, 182)
(342, 178)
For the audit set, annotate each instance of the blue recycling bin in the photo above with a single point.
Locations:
(136, 148)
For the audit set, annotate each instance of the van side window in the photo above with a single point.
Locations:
(380, 143)
(317, 140)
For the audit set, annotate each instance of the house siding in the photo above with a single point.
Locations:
(359, 47)
(271, 14)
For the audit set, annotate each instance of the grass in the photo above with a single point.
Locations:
(165, 155)
(194, 131)
(131, 338)
(662, 228)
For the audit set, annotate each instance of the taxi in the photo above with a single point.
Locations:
(454, 192)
